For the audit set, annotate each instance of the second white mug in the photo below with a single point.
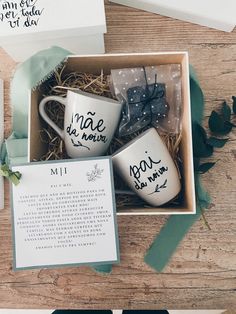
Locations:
(147, 167)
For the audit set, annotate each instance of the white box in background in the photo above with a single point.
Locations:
(217, 14)
(77, 26)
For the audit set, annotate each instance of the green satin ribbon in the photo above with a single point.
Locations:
(37, 69)
(170, 236)
(28, 75)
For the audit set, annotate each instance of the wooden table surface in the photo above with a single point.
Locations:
(202, 273)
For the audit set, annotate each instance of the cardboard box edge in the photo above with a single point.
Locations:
(186, 55)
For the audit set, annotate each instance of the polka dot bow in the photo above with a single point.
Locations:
(146, 105)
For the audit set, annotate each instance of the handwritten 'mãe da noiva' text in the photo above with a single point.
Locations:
(91, 130)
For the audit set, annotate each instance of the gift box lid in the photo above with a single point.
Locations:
(212, 13)
(33, 20)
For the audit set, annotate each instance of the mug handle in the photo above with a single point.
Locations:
(44, 115)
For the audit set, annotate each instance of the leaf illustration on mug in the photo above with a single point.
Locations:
(159, 188)
(78, 144)
(95, 174)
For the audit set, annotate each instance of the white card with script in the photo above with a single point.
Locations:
(64, 214)
(27, 26)
(212, 13)
(1, 140)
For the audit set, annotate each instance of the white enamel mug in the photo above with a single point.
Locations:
(146, 165)
(89, 124)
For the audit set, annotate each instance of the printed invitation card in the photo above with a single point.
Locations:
(64, 214)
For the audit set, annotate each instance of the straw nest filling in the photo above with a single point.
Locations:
(58, 85)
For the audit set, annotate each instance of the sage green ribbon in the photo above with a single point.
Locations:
(37, 69)
(170, 236)
(28, 76)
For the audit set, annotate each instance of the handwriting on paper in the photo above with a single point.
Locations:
(153, 170)
(21, 13)
(85, 127)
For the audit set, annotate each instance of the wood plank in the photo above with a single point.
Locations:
(202, 273)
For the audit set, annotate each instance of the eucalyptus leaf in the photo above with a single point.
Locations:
(218, 125)
(216, 142)
(234, 104)
(6, 172)
(230, 124)
(201, 132)
(14, 179)
(4, 167)
(226, 111)
(18, 174)
(203, 168)
(201, 149)
(196, 162)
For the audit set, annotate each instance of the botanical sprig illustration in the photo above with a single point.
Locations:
(95, 174)
(159, 187)
(78, 144)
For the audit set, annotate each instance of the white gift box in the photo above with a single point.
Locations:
(94, 64)
(212, 13)
(27, 26)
